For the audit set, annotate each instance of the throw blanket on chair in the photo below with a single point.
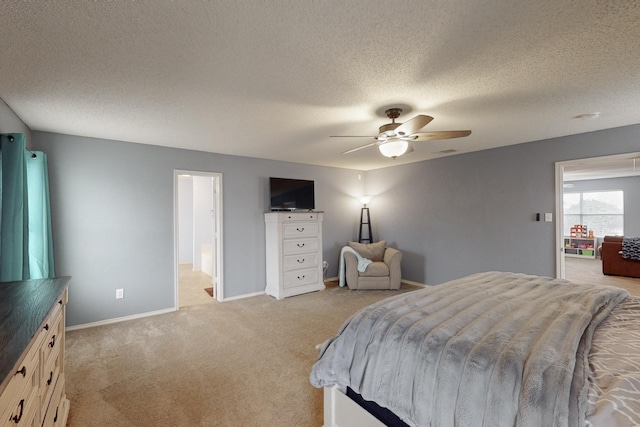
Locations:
(362, 263)
(631, 248)
(492, 349)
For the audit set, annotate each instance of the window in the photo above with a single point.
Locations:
(600, 211)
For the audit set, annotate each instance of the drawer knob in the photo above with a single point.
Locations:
(300, 261)
(16, 418)
(50, 378)
(46, 327)
(301, 277)
(52, 342)
(300, 229)
(22, 371)
(300, 245)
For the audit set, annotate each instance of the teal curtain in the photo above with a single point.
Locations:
(26, 246)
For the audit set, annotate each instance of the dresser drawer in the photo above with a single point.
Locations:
(54, 338)
(299, 246)
(294, 262)
(300, 277)
(25, 412)
(301, 229)
(49, 379)
(24, 383)
(54, 414)
(20, 398)
(300, 216)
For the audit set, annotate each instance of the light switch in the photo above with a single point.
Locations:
(548, 217)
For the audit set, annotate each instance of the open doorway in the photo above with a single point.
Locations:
(198, 237)
(590, 184)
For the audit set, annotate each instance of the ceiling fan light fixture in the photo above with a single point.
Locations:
(394, 149)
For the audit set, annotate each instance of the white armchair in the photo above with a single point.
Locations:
(384, 272)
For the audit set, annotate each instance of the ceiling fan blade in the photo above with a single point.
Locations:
(409, 149)
(359, 148)
(445, 134)
(414, 125)
(353, 136)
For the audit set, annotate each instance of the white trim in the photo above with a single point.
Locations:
(255, 294)
(412, 283)
(119, 319)
(559, 240)
(408, 282)
(219, 261)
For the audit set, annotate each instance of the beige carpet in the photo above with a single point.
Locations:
(191, 285)
(238, 363)
(585, 270)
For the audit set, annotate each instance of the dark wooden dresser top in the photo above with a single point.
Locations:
(23, 307)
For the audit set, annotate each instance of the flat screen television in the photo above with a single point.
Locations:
(291, 194)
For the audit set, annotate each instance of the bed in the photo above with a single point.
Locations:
(493, 349)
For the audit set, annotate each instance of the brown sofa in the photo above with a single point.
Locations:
(612, 262)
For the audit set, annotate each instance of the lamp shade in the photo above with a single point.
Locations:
(365, 199)
(394, 149)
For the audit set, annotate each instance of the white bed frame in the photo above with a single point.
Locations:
(341, 411)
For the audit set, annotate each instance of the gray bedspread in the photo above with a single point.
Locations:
(492, 349)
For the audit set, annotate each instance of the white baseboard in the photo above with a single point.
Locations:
(255, 294)
(412, 283)
(118, 319)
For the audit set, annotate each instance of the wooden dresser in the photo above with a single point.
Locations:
(294, 253)
(32, 323)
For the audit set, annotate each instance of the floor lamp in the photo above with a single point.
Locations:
(365, 220)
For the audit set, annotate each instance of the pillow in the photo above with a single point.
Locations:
(372, 251)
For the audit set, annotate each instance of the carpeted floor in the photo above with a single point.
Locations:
(238, 363)
(585, 270)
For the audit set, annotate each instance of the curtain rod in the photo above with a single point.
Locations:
(33, 155)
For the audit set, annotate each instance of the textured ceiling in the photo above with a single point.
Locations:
(275, 79)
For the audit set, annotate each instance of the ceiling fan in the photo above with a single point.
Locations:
(393, 138)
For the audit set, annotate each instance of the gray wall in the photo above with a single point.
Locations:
(112, 206)
(475, 212)
(112, 209)
(631, 188)
(11, 123)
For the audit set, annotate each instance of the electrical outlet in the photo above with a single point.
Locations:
(119, 293)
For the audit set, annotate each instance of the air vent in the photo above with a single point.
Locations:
(449, 151)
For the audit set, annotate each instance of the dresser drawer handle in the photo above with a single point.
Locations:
(56, 417)
(52, 342)
(301, 278)
(22, 371)
(300, 245)
(46, 327)
(300, 261)
(50, 378)
(16, 418)
(300, 229)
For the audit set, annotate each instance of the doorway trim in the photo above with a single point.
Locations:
(560, 265)
(218, 232)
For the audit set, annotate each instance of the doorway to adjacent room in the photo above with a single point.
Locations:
(588, 176)
(198, 237)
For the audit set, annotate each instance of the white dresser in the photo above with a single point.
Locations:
(294, 253)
